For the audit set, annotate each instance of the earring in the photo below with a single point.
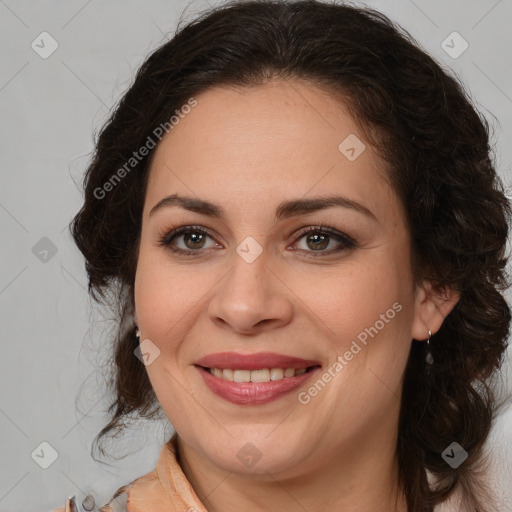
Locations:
(137, 334)
(429, 359)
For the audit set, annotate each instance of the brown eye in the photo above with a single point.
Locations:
(319, 238)
(318, 241)
(195, 240)
(191, 238)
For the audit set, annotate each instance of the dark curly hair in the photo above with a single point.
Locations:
(419, 118)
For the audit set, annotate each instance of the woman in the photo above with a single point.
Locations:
(298, 215)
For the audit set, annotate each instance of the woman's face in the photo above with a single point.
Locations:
(256, 294)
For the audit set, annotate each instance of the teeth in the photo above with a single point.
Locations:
(276, 374)
(242, 376)
(263, 375)
(227, 374)
(260, 375)
(217, 372)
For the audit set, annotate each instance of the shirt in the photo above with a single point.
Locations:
(165, 489)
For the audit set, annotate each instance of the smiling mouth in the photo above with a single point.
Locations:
(260, 375)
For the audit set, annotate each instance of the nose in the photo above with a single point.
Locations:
(251, 298)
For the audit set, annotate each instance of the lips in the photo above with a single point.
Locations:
(219, 372)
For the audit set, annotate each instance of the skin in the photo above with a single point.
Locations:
(247, 150)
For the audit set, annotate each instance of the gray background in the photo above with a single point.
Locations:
(53, 339)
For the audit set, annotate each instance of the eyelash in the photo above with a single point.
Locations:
(165, 239)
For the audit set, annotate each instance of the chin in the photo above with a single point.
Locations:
(257, 454)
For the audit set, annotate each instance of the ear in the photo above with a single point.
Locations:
(432, 305)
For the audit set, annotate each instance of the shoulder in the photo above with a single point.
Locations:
(164, 488)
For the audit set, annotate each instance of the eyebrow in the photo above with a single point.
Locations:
(285, 209)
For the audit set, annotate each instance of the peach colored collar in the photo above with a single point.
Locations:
(164, 489)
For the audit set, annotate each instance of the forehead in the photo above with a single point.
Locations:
(248, 147)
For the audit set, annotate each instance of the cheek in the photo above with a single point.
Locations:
(348, 302)
(165, 294)
(164, 299)
(368, 313)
